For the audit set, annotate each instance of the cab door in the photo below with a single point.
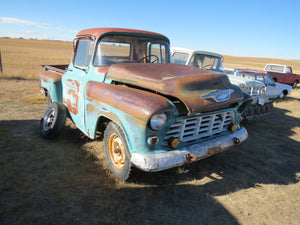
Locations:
(75, 79)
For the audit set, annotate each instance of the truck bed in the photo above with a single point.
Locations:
(56, 68)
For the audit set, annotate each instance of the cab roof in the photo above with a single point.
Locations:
(195, 52)
(97, 32)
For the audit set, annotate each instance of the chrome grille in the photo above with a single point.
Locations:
(199, 127)
(255, 91)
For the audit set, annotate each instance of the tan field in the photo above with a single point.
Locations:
(22, 58)
(66, 180)
(258, 63)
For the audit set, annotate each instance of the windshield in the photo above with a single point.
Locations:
(207, 62)
(180, 57)
(247, 75)
(266, 79)
(114, 49)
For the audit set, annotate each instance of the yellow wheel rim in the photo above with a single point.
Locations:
(116, 151)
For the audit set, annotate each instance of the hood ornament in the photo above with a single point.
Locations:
(219, 96)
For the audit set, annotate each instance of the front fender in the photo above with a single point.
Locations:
(141, 104)
(130, 108)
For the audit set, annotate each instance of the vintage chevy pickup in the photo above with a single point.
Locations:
(154, 115)
(282, 74)
(213, 62)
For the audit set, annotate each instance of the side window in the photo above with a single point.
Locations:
(289, 70)
(277, 68)
(180, 57)
(157, 53)
(84, 52)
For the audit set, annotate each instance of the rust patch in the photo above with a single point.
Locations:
(97, 32)
(213, 150)
(91, 108)
(72, 99)
(183, 82)
(49, 75)
(189, 158)
(132, 101)
(103, 69)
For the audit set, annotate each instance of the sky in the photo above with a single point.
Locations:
(256, 28)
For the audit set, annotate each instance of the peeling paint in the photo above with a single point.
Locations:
(71, 97)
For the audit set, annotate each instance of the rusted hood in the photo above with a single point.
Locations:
(199, 90)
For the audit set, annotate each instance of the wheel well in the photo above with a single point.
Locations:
(44, 91)
(101, 126)
(285, 92)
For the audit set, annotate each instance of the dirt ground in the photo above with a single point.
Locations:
(66, 181)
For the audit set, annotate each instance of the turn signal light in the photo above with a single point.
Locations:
(233, 127)
(173, 142)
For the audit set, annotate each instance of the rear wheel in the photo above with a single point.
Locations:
(294, 84)
(116, 151)
(53, 120)
(283, 94)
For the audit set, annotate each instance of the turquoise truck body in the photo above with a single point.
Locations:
(124, 76)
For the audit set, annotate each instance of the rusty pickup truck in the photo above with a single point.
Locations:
(153, 115)
(282, 74)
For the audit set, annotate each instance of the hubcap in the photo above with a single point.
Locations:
(49, 120)
(116, 151)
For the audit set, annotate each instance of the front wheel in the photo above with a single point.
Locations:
(116, 151)
(53, 120)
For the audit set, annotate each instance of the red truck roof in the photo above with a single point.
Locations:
(97, 32)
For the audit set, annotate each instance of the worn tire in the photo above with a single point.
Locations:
(294, 84)
(116, 151)
(53, 120)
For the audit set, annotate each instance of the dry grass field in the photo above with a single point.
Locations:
(66, 180)
(258, 63)
(23, 58)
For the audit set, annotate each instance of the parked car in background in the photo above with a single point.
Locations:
(273, 89)
(282, 74)
(213, 62)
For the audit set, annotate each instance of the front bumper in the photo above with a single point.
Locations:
(178, 157)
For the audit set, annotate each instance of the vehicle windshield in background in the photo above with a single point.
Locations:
(207, 62)
(266, 79)
(114, 49)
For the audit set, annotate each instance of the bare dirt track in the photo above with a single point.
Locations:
(65, 181)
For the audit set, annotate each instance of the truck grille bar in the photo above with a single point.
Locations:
(199, 127)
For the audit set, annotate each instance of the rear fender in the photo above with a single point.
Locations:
(51, 82)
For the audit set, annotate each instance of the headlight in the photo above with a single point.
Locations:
(158, 121)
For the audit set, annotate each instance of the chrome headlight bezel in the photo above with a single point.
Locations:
(158, 121)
